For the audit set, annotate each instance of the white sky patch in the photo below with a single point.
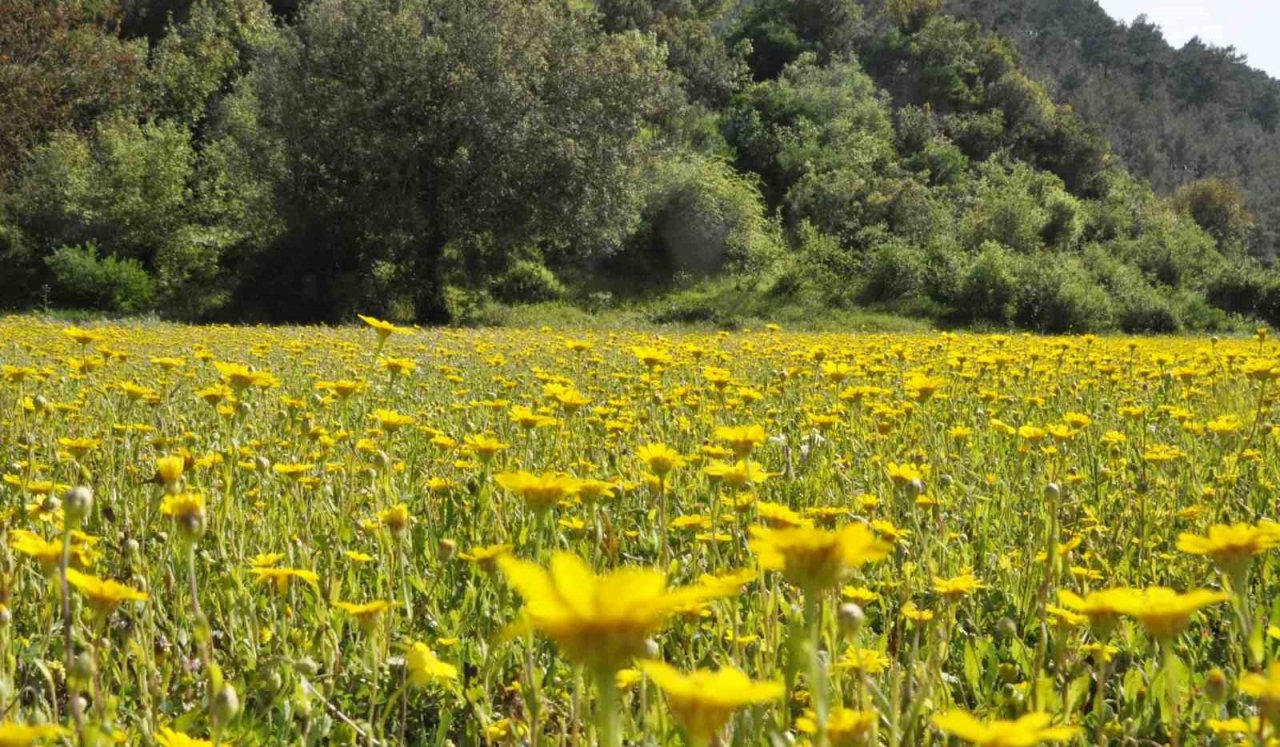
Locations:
(1251, 26)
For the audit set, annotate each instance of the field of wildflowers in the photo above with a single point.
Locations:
(380, 535)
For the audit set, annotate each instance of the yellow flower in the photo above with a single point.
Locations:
(82, 336)
(399, 366)
(239, 376)
(1103, 608)
(921, 387)
(778, 516)
(486, 557)
(167, 737)
(651, 356)
(1027, 731)
(366, 614)
(187, 511)
(266, 560)
(392, 421)
(816, 559)
(1231, 547)
(28, 543)
(293, 472)
(594, 491)
(916, 614)
(384, 329)
(599, 621)
(483, 446)
(22, 735)
(78, 447)
(1265, 688)
(902, 474)
(1164, 612)
(739, 474)
(846, 727)
(742, 439)
(859, 595)
(395, 519)
(425, 667)
(955, 588)
(103, 595)
(866, 661)
(660, 459)
(539, 492)
(169, 470)
(1065, 618)
(703, 701)
(281, 577)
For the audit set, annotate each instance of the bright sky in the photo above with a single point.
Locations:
(1250, 26)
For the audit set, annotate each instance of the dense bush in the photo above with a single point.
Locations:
(82, 278)
(989, 289)
(527, 282)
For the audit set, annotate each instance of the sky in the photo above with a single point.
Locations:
(1250, 26)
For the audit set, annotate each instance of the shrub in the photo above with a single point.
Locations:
(82, 278)
(527, 281)
(1238, 288)
(989, 287)
(892, 270)
(1056, 295)
(1141, 308)
(705, 217)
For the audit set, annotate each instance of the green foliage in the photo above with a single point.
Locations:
(514, 123)
(911, 15)
(200, 57)
(893, 271)
(1171, 114)
(62, 67)
(1057, 295)
(527, 281)
(988, 290)
(84, 279)
(703, 217)
(780, 31)
(127, 188)
(448, 160)
(1217, 206)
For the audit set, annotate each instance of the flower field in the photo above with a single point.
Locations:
(381, 535)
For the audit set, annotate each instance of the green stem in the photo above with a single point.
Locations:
(607, 709)
(817, 675)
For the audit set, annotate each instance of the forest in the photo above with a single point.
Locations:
(985, 163)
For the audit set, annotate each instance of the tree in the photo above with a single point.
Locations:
(779, 31)
(61, 68)
(402, 129)
(1217, 206)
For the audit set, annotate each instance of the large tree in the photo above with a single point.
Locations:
(408, 131)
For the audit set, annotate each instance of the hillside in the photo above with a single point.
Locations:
(433, 160)
(1172, 115)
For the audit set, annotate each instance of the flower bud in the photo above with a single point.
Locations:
(1053, 491)
(1216, 685)
(77, 503)
(851, 618)
(82, 667)
(226, 704)
(448, 549)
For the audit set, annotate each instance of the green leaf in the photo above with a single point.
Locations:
(972, 668)
(1257, 644)
(1077, 691)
